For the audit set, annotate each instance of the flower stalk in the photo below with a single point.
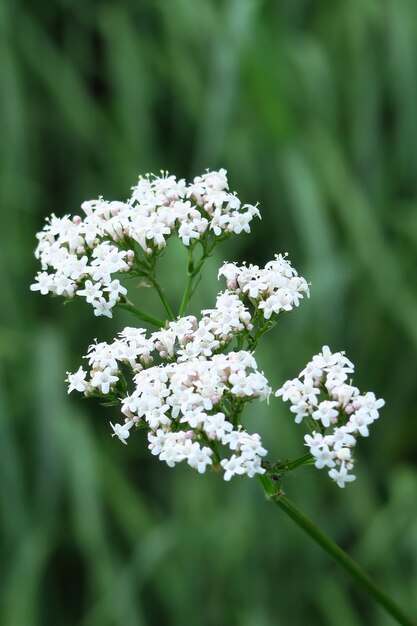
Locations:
(163, 298)
(145, 317)
(336, 552)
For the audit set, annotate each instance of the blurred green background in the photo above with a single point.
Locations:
(311, 106)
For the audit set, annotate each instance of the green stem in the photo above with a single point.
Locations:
(303, 460)
(163, 298)
(187, 295)
(189, 285)
(193, 271)
(339, 555)
(145, 317)
(263, 328)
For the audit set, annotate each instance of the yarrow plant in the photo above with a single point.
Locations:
(186, 383)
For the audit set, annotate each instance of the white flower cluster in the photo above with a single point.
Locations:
(191, 210)
(190, 403)
(345, 411)
(187, 338)
(193, 396)
(80, 256)
(275, 288)
(77, 260)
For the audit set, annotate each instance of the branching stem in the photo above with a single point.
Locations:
(163, 298)
(193, 271)
(145, 317)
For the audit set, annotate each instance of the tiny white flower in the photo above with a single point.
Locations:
(104, 379)
(232, 467)
(341, 476)
(122, 431)
(44, 284)
(77, 381)
(91, 292)
(200, 458)
(216, 426)
(102, 307)
(324, 457)
(326, 413)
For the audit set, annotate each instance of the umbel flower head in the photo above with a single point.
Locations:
(336, 412)
(86, 257)
(187, 383)
(186, 391)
